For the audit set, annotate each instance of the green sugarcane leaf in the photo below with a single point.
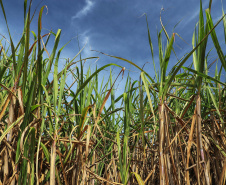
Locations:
(148, 93)
(215, 104)
(181, 62)
(221, 150)
(90, 78)
(10, 127)
(139, 180)
(215, 39)
(204, 75)
(46, 152)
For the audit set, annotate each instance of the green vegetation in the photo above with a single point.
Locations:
(170, 129)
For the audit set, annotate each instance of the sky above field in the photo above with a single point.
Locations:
(115, 27)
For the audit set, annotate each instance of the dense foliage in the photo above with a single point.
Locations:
(167, 129)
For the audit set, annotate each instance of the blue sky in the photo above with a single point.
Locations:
(115, 27)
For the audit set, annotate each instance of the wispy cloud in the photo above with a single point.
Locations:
(85, 40)
(84, 11)
(195, 14)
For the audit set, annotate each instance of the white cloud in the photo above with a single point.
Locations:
(84, 40)
(85, 37)
(195, 14)
(84, 11)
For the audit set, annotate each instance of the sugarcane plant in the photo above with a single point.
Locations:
(63, 125)
(167, 83)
